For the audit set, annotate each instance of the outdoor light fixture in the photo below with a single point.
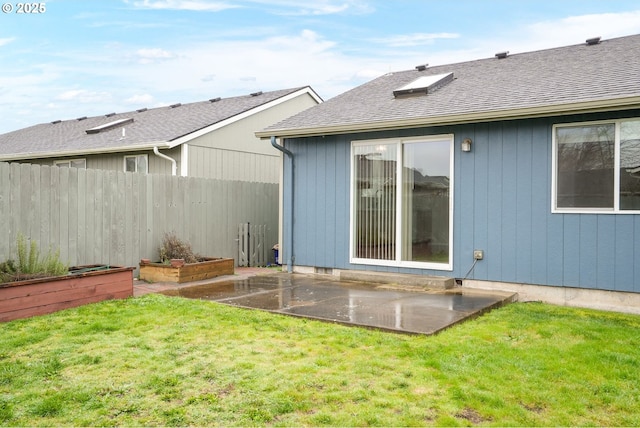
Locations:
(466, 145)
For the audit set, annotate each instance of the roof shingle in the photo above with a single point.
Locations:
(149, 126)
(556, 79)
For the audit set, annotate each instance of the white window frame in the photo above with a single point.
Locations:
(398, 262)
(66, 163)
(616, 176)
(124, 162)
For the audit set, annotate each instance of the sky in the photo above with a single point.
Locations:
(79, 58)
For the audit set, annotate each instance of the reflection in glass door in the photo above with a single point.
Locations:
(425, 199)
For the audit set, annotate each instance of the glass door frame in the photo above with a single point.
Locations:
(398, 144)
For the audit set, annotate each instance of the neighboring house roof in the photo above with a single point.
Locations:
(163, 127)
(593, 76)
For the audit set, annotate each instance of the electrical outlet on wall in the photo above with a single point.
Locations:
(478, 254)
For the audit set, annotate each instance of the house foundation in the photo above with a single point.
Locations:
(606, 300)
(618, 301)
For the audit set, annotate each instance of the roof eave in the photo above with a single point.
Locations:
(70, 153)
(245, 114)
(484, 116)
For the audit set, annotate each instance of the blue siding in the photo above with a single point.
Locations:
(480, 187)
(464, 194)
(502, 205)
(524, 159)
(606, 235)
(341, 210)
(495, 190)
(321, 203)
(624, 256)
(571, 250)
(540, 202)
(588, 251)
(509, 204)
(555, 255)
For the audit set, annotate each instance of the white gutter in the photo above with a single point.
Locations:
(174, 164)
(84, 152)
(455, 119)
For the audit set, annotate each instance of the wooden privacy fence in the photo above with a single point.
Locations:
(117, 218)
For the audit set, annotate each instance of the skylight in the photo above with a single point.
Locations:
(424, 84)
(109, 125)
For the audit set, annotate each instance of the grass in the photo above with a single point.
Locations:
(158, 360)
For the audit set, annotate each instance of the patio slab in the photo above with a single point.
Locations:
(349, 302)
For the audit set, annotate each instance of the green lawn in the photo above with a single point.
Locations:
(159, 360)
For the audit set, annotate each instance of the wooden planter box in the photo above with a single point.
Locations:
(209, 268)
(23, 299)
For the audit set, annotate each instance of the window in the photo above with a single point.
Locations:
(71, 163)
(597, 167)
(401, 202)
(137, 163)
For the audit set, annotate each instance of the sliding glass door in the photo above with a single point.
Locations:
(401, 202)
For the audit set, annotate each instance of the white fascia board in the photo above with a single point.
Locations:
(488, 116)
(86, 152)
(244, 115)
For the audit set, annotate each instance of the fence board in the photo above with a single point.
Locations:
(109, 217)
(14, 200)
(82, 215)
(44, 223)
(74, 208)
(5, 213)
(54, 208)
(90, 219)
(63, 207)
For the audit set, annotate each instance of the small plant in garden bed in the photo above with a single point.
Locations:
(30, 264)
(174, 248)
(178, 263)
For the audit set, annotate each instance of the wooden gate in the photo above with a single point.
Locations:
(252, 248)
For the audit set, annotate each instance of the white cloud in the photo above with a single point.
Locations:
(415, 39)
(147, 56)
(84, 96)
(564, 31)
(317, 7)
(277, 7)
(6, 41)
(140, 99)
(236, 67)
(541, 35)
(193, 5)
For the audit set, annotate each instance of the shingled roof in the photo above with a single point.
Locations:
(164, 127)
(592, 76)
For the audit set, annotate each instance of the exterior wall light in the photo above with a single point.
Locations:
(466, 145)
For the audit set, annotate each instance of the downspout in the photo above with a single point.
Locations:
(289, 245)
(174, 164)
(282, 149)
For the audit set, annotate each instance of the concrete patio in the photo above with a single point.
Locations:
(381, 306)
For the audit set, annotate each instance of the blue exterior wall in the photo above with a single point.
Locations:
(502, 205)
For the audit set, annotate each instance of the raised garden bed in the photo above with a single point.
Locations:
(83, 285)
(180, 272)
